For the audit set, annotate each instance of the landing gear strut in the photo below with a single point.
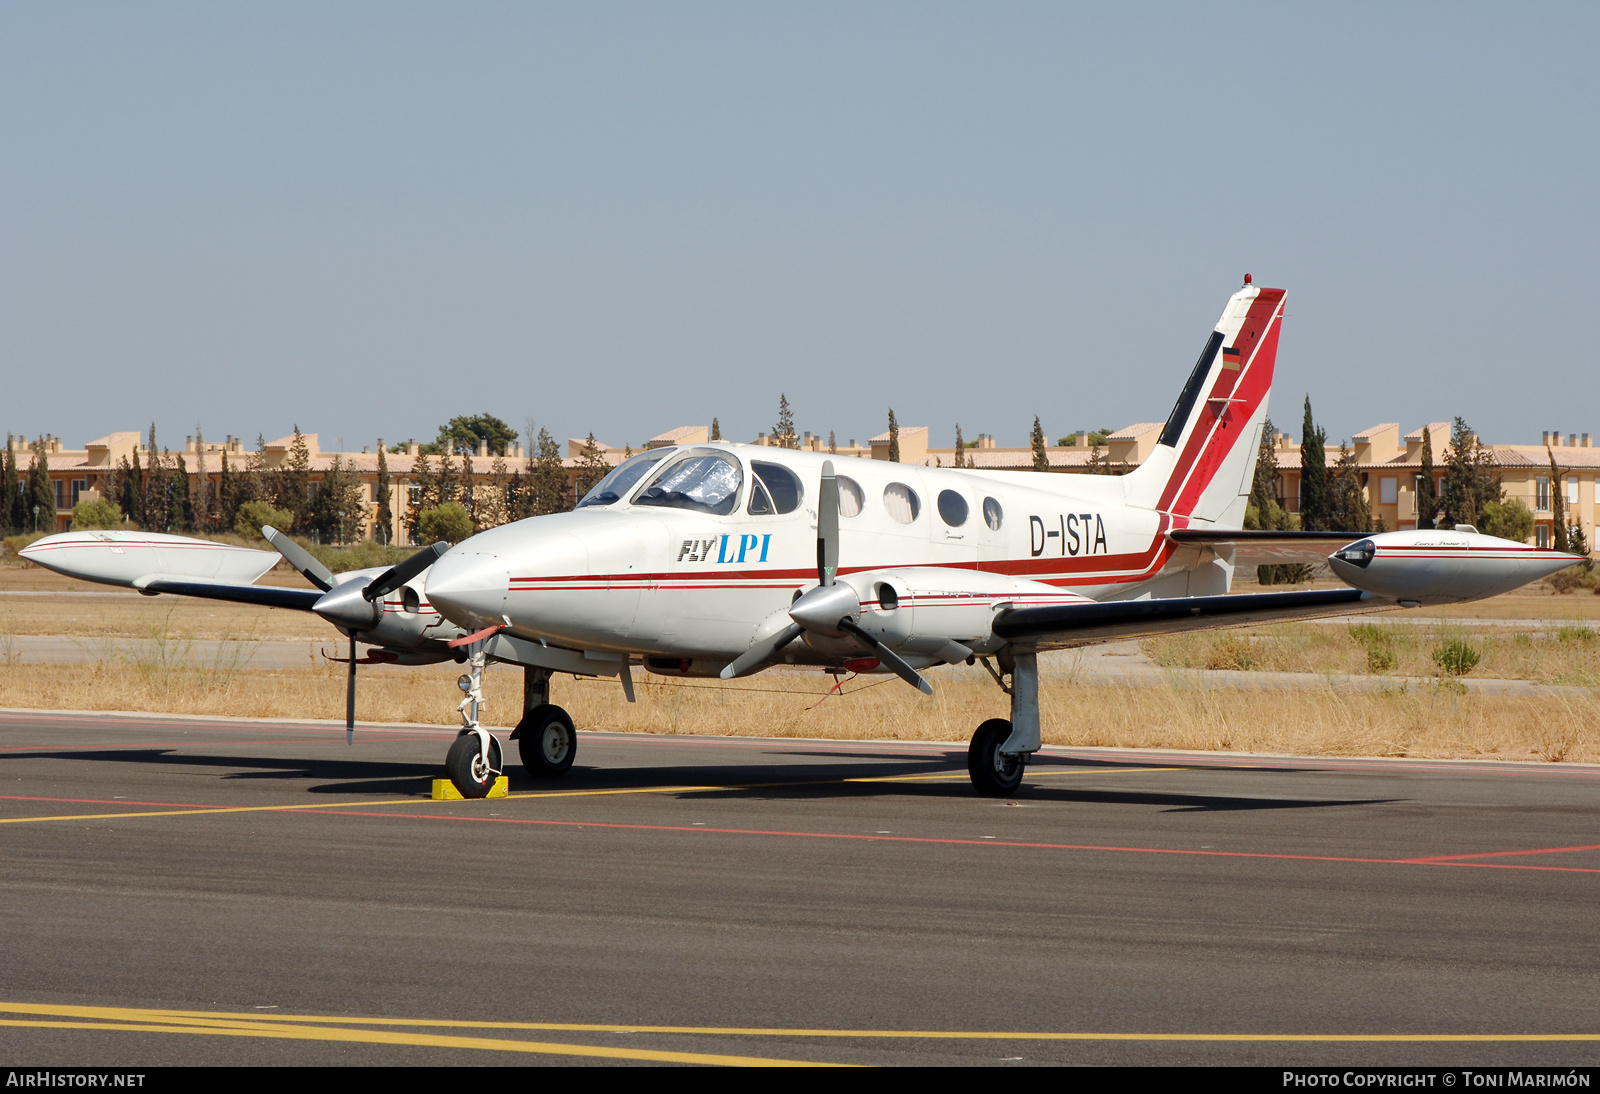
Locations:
(545, 735)
(475, 759)
(1000, 749)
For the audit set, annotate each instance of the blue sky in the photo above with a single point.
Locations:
(365, 219)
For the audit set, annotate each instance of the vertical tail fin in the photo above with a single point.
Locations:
(1203, 465)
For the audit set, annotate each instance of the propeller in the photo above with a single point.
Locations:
(830, 608)
(300, 558)
(396, 576)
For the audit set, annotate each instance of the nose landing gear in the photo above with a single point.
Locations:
(475, 759)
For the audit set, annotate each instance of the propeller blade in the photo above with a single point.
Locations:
(762, 652)
(396, 576)
(827, 526)
(888, 657)
(300, 558)
(350, 698)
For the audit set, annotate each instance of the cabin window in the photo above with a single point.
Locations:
(993, 515)
(902, 502)
(852, 499)
(612, 488)
(705, 484)
(776, 489)
(952, 508)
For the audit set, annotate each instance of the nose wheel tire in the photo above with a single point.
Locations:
(464, 765)
(993, 774)
(547, 741)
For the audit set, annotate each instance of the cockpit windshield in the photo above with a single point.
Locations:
(707, 484)
(621, 480)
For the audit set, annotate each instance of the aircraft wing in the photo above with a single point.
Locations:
(1062, 626)
(270, 596)
(1265, 548)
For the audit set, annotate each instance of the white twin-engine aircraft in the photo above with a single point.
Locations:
(721, 560)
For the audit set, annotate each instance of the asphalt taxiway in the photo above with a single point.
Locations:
(179, 890)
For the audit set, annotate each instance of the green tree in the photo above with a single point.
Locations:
(1265, 512)
(1507, 519)
(549, 486)
(1041, 458)
(833, 446)
(716, 430)
(961, 448)
(254, 515)
(293, 490)
(1347, 509)
(337, 508)
(1313, 474)
(133, 491)
(10, 491)
(200, 500)
(894, 438)
(383, 523)
(592, 467)
(424, 492)
(227, 494)
(1427, 486)
(783, 434)
(1470, 482)
(449, 522)
(41, 491)
(462, 435)
(1558, 503)
(182, 504)
(98, 513)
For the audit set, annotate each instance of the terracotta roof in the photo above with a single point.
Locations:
(1435, 430)
(1133, 432)
(883, 438)
(113, 438)
(1379, 428)
(677, 434)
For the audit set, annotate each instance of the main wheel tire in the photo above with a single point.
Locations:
(547, 741)
(993, 774)
(464, 764)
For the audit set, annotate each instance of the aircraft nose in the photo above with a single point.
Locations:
(469, 588)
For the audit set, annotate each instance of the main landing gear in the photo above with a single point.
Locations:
(1000, 749)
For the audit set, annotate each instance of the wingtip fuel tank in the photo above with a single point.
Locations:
(1435, 566)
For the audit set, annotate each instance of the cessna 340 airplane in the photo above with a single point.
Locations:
(720, 560)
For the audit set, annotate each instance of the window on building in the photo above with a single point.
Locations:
(1541, 498)
(78, 487)
(1388, 491)
(1542, 535)
(60, 486)
(1572, 490)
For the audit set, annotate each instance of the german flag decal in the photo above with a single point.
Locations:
(1231, 357)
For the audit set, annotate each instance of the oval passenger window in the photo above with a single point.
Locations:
(993, 515)
(902, 502)
(851, 497)
(952, 508)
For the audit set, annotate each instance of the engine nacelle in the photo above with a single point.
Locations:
(1434, 566)
(922, 609)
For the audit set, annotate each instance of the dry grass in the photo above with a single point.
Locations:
(1553, 654)
(1429, 721)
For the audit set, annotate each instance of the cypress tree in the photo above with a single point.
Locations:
(716, 430)
(384, 520)
(960, 447)
(1313, 474)
(833, 446)
(1041, 459)
(1558, 503)
(133, 492)
(894, 438)
(41, 498)
(1427, 488)
(294, 480)
(783, 434)
(183, 512)
(549, 486)
(227, 501)
(8, 491)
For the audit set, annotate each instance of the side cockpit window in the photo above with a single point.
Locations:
(706, 484)
(615, 485)
(776, 489)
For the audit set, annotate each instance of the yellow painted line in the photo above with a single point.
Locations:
(277, 1031)
(244, 1024)
(205, 810)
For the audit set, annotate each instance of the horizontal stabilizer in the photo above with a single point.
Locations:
(1062, 626)
(1265, 548)
(271, 596)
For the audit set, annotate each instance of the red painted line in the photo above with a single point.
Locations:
(53, 746)
(1498, 854)
(945, 841)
